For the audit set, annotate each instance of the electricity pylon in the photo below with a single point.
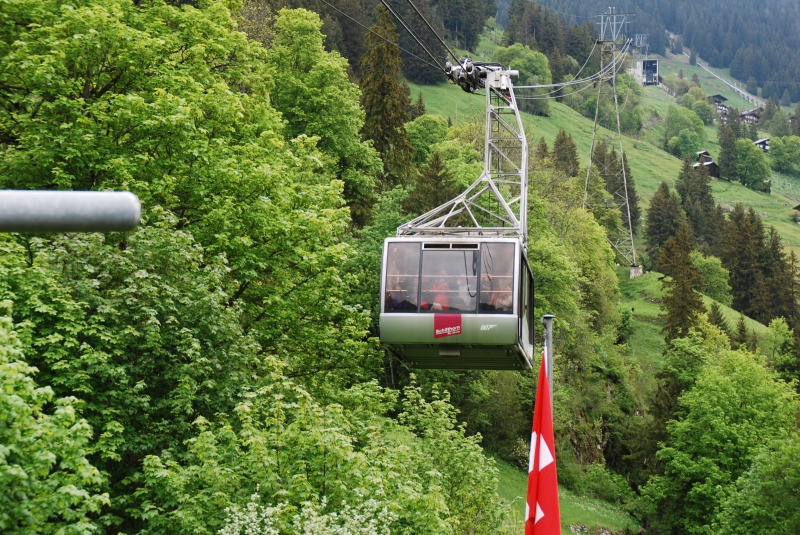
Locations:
(611, 39)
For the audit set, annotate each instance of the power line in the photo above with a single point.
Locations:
(378, 35)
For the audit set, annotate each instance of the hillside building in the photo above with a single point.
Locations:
(646, 72)
(762, 144)
(704, 159)
(752, 116)
(718, 101)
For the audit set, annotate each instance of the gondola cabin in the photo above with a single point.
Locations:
(455, 302)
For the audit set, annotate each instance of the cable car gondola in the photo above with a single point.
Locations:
(456, 287)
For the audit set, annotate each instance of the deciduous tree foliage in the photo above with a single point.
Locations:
(735, 407)
(229, 298)
(316, 99)
(49, 485)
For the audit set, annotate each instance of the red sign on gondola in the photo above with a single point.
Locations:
(446, 325)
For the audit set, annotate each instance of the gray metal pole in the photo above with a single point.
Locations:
(68, 211)
(547, 321)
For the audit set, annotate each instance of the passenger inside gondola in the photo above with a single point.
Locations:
(402, 277)
(497, 278)
(436, 295)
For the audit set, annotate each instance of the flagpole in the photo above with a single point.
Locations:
(547, 321)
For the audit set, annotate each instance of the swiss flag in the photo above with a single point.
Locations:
(542, 516)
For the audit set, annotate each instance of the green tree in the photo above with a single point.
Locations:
(779, 125)
(770, 109)
(752, 87)
(686, 143)
(424, 70)
(735, 407)
(714, 278)
(727, 152)
(533, 68)
(784, 152)
(664, 220)
(565, 153)
(432, 186)
(765, 500)
(786, 99)
(717, 319)
(542, 152)
(234, 273)
(424, 132)
(682, 285)
(751, 165)
(697, 200)
(742, 251)
(385, 100)
(418, 108)
(633, 198)
(693, 59)
(49, 485)
(312, 91)
(678, 119)
(705, 111)
(796, 126)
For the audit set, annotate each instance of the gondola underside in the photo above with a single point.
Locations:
(460, 357)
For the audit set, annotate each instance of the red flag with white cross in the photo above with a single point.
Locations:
(542, 516)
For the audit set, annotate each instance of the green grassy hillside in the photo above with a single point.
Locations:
(590, 512)
(649, 164)
(642, 296)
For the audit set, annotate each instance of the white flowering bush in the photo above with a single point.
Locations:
(371, 517)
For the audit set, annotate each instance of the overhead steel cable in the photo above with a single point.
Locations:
(412, 34)
(379, 35)
(428, 24)
(604, 70)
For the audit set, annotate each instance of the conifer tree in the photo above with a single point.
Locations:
(770, 109)
(415, 69)
(682, 283)
(734, 120)
(716, 318)
(542, 152)
(633, 198)
(727, 151)
(752, 86)
(664, 220)
(786, 99)
(715, 229)
(694, 188)
(741, 252)
(796, 125)
(418, 108)
(740, 336)
(565, 153)
(385, 100)
(433, 185)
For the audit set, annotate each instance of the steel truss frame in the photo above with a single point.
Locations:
(496, 203)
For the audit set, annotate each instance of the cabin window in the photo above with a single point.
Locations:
(402, 277)
(449, 281)
(497, 278)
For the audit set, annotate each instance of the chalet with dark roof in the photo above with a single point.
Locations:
(762, 144)
(704, 160)
(752, 116)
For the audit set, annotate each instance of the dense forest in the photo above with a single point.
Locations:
(756, 40)
(218, 369)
